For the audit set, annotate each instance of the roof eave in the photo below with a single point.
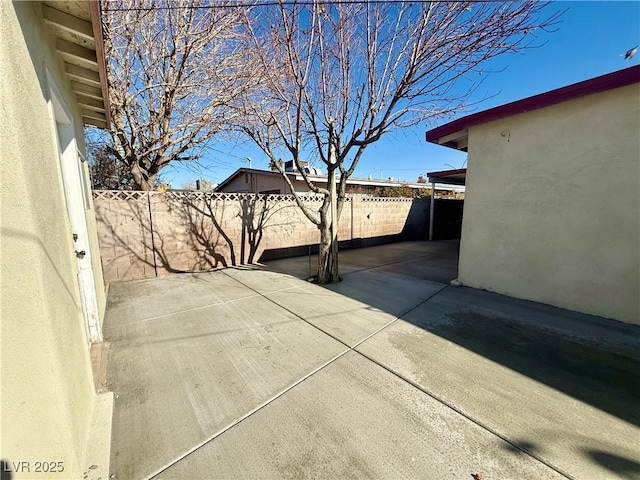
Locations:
(449, 177)
(96, 21)
(451, 133)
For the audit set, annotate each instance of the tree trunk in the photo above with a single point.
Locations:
(325, 256)
(144, 182)
(333, 198)
(328, 248)
(148, 184)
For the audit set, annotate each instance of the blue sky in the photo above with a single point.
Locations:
(590, 40)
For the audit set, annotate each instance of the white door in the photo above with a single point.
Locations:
(77, 201)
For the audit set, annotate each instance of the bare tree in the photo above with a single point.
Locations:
(174, 70)
(201, 184)
(338, 76)
(107, 173)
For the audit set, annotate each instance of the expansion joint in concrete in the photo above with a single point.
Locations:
(293, 385)
(477, 422)
(348, 349)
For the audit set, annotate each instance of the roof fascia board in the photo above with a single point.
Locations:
(96, 21)
(620, 78)
(445, 173)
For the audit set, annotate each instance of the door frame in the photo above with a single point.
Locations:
(75, 195)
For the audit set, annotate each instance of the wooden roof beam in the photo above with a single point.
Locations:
(83, 75)
(76, 53)
(86, 90)
(90, 103)
(93, 114)
(68, 22)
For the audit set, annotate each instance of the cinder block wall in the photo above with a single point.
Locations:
(124, 234)
(145, 234)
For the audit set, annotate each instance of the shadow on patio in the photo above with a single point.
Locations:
(390, 373)
(528, 371)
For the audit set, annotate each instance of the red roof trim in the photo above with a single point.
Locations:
(609, 81)
(447, 173)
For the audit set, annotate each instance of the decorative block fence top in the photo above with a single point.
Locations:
(137, 195)
(177, 195)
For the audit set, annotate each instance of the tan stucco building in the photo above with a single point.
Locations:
(552, 207)
(53, 423)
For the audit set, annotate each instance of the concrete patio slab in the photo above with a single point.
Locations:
(397, 280)
(306, 267)
(245, 373)
(354, 419)
(181, 377)
(389, 291)
(439, 267)
(349, 311)
(562, 385)
(262, 280)
(373, 257)
(343, 318)
(354, 260)
(152, 297)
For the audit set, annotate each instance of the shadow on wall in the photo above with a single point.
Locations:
(371, 221)
(146, 234)
(447, 222)
(182, 232)
(202, 218)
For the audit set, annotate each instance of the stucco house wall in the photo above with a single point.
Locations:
(257, 183)
(552, 210)
(49, 404)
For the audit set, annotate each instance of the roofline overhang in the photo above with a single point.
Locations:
(446, 173)
(449, 177)
(96, 21)
(450, 134)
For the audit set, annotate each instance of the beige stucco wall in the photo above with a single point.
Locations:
(552, 208)
(48, 399)
(263, 182)
(256, 183)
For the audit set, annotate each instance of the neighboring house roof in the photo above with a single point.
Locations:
(449, 177)
(455, 134)
(295, 176)
(77, 29)
(240, 171)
